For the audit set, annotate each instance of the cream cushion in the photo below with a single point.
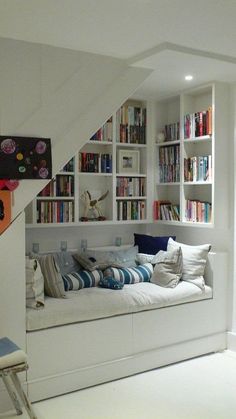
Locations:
(168, 268)
(194, 261)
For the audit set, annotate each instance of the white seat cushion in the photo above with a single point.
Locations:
(94, 303)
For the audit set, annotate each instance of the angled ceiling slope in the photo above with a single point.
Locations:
(68, 107)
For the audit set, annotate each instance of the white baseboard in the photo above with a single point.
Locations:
(231, 341)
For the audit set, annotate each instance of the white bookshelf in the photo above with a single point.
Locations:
(190, 195)
(98, 182)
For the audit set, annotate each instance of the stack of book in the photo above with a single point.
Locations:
(130, 186)
(198, 168)
(165, 210)
(131, 125)
(69, 167)
(55, 211)
(169, 164)
(171, 132)
(61, 185)
(198, 211)
(131, 210)
(104, 133)
(198, 124)
(95, 162)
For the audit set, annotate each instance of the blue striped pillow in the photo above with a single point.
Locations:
(141, 273)
(82, 279)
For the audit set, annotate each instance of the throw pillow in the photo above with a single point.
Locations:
(53, 282)
(99, 259)
(110, 282)
(194, 261)
(82, 279)
(141, 273)
(149, 244)
(168, 268)
(63, 259)
(142, 258)
(34, 284)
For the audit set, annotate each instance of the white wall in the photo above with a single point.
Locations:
(62, 94)
(12, 294)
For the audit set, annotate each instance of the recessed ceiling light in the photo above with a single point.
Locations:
(188, 77)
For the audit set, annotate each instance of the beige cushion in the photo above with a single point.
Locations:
(34, 284)
(100, 259)
(53, 282)
(168, 268)
(194, 261)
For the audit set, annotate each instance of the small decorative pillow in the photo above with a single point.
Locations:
(194, 261)
(34, 284)
(53, 282)
(63, 259)
(100, 259)
(82, 279)
(110, 282)
(142, 258)
(141, 273)
(168, 268)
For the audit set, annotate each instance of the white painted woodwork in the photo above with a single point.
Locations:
(97, 351)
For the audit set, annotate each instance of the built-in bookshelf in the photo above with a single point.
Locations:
(55, 203)
(185, 158)
(111, 167)
(117, 162)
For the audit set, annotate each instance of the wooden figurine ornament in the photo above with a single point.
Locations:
(92, 205)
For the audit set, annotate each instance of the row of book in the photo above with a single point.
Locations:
(69, 166)
(169, 173)
(104, 133)
(130, 186)
(198, 211)
(171, 132)
(61, 185)
(198, 124)
(95, 162)
(131, 210)
(169, 155)
(131, 125)
(55, 212)
(165, 210)
(198, 168)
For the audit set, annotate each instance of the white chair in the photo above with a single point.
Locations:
(12, 361)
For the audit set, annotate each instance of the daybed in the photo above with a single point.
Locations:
(97, 335)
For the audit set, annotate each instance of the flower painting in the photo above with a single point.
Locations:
(25, 158)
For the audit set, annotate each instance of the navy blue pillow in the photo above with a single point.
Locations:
(151, 245)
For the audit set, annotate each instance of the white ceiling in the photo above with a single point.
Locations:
(129, 28)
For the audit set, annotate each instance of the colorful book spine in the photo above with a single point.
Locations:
(55, 212)
(131, 210)
(131, 125)
(165, 210)
(198, 124)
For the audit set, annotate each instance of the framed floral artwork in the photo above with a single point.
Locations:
(25, 158)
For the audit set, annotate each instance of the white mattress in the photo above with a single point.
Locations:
(95, 303)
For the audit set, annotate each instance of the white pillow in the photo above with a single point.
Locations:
(142, 258)
(34, 284)
(194, 261)
(168, 268)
